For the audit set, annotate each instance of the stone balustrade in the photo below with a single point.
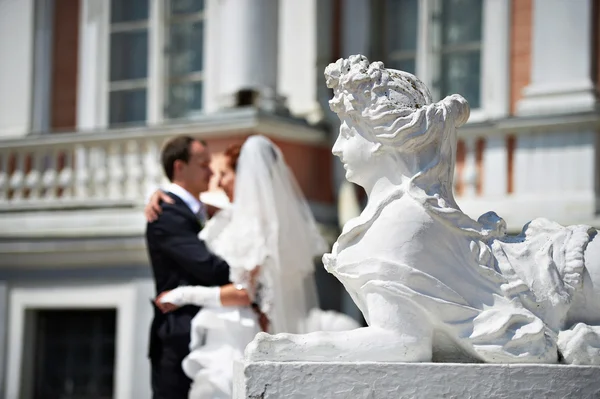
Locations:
(505, 166)
(76, 169)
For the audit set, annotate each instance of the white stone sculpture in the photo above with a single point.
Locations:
(432, 283)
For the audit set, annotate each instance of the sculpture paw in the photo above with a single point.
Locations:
(267, 347)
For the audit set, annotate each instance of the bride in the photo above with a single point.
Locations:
(268, 236)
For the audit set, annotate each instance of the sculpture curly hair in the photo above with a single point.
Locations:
(396, 110)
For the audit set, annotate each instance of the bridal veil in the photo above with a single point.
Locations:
(271, 226)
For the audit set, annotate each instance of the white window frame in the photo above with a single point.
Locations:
(400, 55)
(94, 67)
(435, 49)
(495, 56)
(42, 73)
(193, 77)
(122, 298)
(130, 84)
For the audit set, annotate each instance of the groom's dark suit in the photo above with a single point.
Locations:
(178, 258)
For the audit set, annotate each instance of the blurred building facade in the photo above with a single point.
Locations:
(90, 89)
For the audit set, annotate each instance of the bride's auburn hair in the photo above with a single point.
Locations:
(232, 153)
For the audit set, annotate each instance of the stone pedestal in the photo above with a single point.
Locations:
(266, 380)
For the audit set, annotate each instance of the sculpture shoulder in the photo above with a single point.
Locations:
(398, 223)
(403, 215)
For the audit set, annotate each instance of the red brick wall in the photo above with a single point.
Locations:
(311, 164)
(312, 167)
(65, 65)
(511, 145)
(479, 164)
(520, 53)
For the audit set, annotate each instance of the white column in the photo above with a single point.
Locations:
(16, 67)
(3, 330)
(248, 50)
(495, 70)
(212, 59)
(297, 52)
(495, 167)
(561, 59)
(156, 55)
(92, 81)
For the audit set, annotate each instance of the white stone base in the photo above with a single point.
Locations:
(269, 380)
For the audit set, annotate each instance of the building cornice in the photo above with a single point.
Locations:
(240, 121)
(531, 124)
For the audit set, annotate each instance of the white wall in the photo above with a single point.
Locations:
(16, 53)
(560, 60)
(554, 175)
(556, 163)
(144, 292)
(3, 331)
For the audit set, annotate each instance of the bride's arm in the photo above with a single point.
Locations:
(227, 295)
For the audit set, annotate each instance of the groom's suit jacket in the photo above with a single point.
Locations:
(178, 258)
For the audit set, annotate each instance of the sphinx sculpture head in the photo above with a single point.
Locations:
(386, 113)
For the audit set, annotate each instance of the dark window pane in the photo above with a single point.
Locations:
(127, 106)
(185, 99)
(461, 21)
(461, 73)
(186, 6)
(128, 10)
(406, 65)
(129, 55)
(402, 21)
(185, 45)
(64, 355)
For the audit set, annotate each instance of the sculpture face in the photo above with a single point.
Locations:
(354, 151)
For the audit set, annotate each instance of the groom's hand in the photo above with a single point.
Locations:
(153, 208)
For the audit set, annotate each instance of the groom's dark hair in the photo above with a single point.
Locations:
(176, 149)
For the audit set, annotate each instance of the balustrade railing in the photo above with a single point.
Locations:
(79, 169)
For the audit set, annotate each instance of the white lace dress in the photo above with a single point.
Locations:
(219, 334)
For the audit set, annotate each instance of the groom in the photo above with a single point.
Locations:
(178, 258)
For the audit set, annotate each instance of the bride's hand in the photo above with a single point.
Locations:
(164, 307)
(153, 209)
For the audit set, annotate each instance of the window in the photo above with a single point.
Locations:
(156, 60)
(128, 61)
(458, 49)
(74, 354)
(185, 61)
(446, 54)
(401, 28)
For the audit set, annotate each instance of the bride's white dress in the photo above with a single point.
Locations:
(219, 335)
(268, 225)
